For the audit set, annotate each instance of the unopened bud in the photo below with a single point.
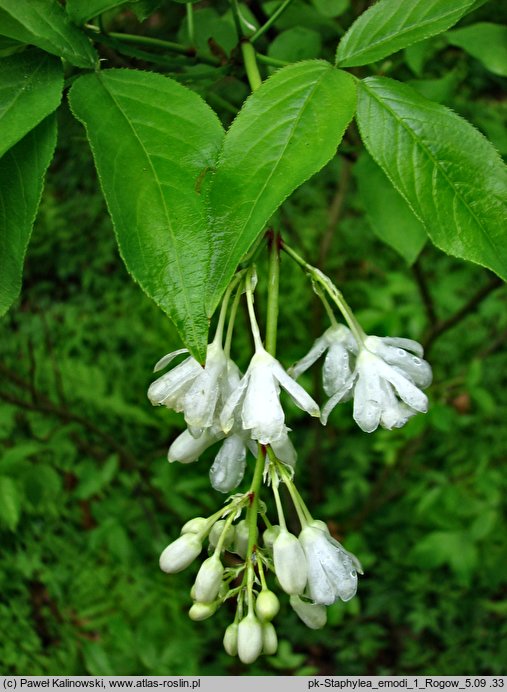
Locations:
(249, 639)
(180, 553)
(217, 531)
(231, 640)
(267, 605)
(270, 535)
(208, 580)
(195, 525)
(269, 639)
(241, 538)
(313, 615)
(290, 563)
(202, 611)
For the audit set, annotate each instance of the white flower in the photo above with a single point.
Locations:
(170, 389)
(258, 398)
(341, 348)
(193, 389)
(332, 571)
(387, 381)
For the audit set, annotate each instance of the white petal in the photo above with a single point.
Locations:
(299, 396)
(227, 414)
(314, 616)
(318, 348)
(417, 370)
(368, 393)
(320, 587)
(407, 344)
(169, 389)
(262, 412)
(336, 370)
(186, 448)
(284, 450)
(165, 360)
(341, 395)
(407, 391)
(229, 465)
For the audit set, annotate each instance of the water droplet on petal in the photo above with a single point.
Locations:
(401, 352)
(416, 361)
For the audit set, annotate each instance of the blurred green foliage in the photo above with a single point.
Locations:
(88, 501)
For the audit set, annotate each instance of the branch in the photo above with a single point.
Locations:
(438, 328)
(422, 285)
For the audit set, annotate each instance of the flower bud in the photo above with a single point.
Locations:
(249, 639)
(202, 611)
(208, 580)
(195, 525)
(241, 539)
(269, 639)
(269, 536)
(180, 553)
(290, 563)
(267, 605)
(217, 531)
(231, 640)
(313, 615)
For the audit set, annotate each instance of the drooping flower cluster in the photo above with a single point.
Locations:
(384, 376)
(312, 568)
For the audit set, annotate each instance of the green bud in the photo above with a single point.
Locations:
(217, 531)
(241, 539)
(267, 605)
(231, 640)
(269, 639)
(270, 535)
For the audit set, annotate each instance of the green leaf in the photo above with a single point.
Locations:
(388, 214)
(153, 142)
(450, 175)
(331, 8)
(286, 131)
(485, 41)
(81, 11)
(44, 23)
(31, 85)
(298, 43)
(22, 171)
(10, 503)
(390, 25)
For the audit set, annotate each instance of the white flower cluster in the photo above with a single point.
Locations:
(385, 376)
(313, 569)
(219, 404)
